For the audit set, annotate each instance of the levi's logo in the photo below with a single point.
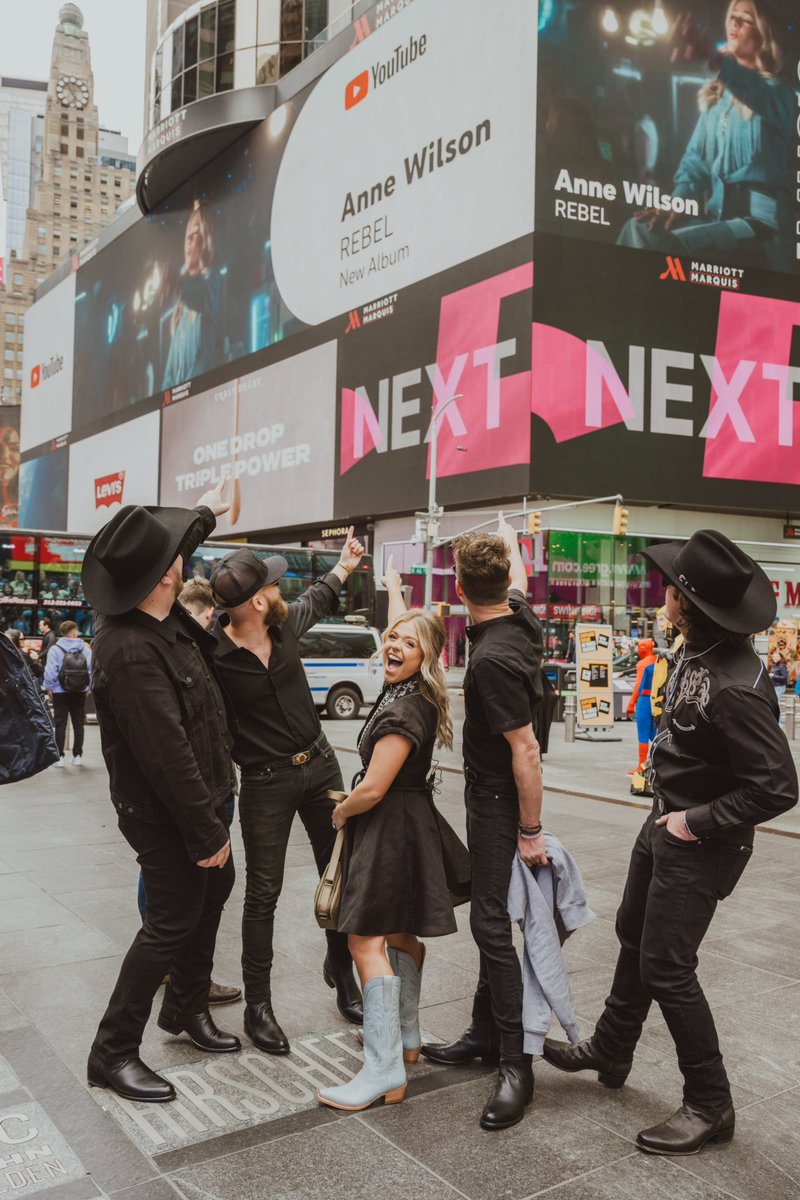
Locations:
(108, 489)
(36, 376)
(674, 270)
(356, 90)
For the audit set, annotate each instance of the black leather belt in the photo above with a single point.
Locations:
(291, 760)
(497, 785)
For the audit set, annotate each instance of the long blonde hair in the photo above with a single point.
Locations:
(429, 631)
(769, 60)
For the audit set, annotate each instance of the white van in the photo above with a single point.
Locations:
(338, 667)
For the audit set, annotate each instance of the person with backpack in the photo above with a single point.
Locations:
(68, 677)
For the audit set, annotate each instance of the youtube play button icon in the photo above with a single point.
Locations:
(356, 90)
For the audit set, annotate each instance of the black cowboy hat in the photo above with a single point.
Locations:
(126, 559)
(719, 578)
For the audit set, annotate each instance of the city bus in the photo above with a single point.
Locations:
(40, 576)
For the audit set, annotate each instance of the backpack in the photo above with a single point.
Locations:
(73, 674)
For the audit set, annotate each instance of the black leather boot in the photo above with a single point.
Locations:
(129, 1078)
(512, 1093)
(339, 975)
(584, 1057)
(263, 1030)
(478, 1041)
(201, 1029)
(687, 1131)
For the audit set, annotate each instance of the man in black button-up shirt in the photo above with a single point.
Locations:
(286, 761)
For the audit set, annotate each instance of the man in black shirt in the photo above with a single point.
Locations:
(721, 765)
(286, 761)
(502, 690)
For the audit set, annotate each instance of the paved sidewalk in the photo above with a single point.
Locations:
(247, 1125)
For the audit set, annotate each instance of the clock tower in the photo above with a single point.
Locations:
(78, 181)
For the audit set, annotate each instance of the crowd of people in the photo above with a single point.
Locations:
(184, 698)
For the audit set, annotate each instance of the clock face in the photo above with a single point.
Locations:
(72, 92)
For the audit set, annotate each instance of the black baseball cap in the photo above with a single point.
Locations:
(242, 574)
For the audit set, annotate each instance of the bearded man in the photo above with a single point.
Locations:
(287, 764)
(165, 741)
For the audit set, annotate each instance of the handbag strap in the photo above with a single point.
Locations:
(336, 852)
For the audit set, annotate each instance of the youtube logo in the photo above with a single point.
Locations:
(356, 90)
(36, 376)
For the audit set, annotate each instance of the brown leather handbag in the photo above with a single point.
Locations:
(328, 896)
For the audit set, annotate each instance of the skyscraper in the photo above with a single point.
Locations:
(78, 175)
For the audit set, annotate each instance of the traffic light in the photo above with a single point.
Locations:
(442, 609)
(534, 523)
(620, 526)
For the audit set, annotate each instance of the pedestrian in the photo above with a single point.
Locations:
(391, 899)
(197, 599)
(721, 766)
(639, 703)
(502, 694)
(68, 679)
(48, 636)
(165, 741)
(287, 764)
(778, 674)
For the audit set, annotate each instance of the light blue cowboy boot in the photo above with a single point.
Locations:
(383, 1074)
(410, 978)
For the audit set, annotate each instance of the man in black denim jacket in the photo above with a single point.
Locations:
(165, 740)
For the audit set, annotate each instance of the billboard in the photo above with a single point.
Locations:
(672, 132)
(9, 465)
(43, 490)
(111, 469)
(271, 433)
(47, 367)
(666, 344)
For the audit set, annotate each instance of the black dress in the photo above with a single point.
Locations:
(393, 872)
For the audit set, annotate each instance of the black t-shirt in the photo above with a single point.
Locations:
(502, 687)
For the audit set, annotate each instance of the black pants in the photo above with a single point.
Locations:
(671, 894)
(184, 906)
(492, 819)
(268, 802)
(73, 705)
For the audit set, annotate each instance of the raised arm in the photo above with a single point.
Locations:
(518, 576)
(393, 582)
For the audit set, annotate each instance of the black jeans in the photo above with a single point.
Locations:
(73, 705)
(268, 802)
(671, 894)
(492, 819)
(184, 906)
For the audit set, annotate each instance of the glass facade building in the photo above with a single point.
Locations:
(218, 45)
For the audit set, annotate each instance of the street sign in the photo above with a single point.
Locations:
(417, 569)
(791, 531)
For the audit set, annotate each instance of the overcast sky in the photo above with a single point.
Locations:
(116, 35)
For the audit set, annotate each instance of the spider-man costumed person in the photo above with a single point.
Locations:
(640, 700)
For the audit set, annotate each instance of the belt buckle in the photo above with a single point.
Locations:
(299, 759)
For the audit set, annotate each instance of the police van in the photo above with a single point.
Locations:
(338, 663)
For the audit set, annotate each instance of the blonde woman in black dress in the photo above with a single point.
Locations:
(394, 886)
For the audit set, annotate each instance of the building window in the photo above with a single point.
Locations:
(42, 232)
(224, 72)
(226, 27)
(79, 134)
(8, 373)
(41, 248)
(57, 172)
(10, 319)
(56, 233)
(11, 337)
(8, 355)
(64, 129)
(208, 33)
(79, 151)
(64, 149)
(18, 280)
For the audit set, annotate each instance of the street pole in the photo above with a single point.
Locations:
(434, 514)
